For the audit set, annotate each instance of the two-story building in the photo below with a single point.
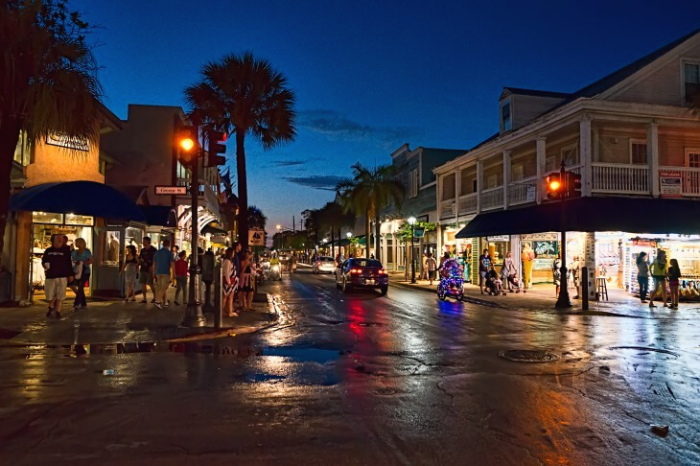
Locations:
(635, 141)
(414, 169)
(58, 188)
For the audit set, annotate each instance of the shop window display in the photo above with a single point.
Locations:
(109, 248)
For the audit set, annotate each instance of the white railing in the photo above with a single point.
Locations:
(447, 209)
(467, 204)
(522, 191)
(690, 179)
(620, 178)
(492, 198)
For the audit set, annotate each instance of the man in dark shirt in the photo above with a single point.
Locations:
(59, 272)
(147, 265)
(485, 265)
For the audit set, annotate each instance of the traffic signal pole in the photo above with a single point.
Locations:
(193, 315)
(563, 300)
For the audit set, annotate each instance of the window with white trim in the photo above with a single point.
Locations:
(569, 155)
(638, 152)
(506, 116)
(691, 82)
(692, 158)
(413, 183)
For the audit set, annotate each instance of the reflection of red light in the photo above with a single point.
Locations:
(224, 138)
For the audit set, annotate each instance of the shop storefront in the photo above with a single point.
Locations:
(43, 226)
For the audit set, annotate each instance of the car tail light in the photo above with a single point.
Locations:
(355, 271)
(381, 272)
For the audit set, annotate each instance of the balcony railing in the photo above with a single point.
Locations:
(447, 209)
(621, 178)
(492, 198)
(467, 204)
(690, 179)
(522, 191)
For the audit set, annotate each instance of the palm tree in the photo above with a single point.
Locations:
(331, 218)
(256, 218)
(241, 95)
(48, 81)
(369, 191)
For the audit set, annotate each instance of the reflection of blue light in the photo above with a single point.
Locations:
(450, 307)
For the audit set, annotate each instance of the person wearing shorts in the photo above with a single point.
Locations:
(163, 264)
(146, 269)
(484, 268)
(59, 272)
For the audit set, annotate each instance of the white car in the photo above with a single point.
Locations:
(323, 264)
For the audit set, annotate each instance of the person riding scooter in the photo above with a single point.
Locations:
(275, 268)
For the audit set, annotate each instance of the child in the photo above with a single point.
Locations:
(181, 277)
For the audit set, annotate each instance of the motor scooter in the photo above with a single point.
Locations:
(275, 272)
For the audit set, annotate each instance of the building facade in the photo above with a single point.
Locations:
(631, 134)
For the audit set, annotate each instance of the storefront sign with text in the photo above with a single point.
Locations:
(670, 183)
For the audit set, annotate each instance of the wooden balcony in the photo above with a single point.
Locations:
(467, 204)
(492, 198)
(616, 178)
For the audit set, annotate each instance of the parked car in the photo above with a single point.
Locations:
(323, 264)
(361, 273)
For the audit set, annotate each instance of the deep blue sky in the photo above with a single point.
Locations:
(369, 74)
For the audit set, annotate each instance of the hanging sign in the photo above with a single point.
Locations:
(256, 238)
(171, 190)
(419, 232)
(500, 238)
(670, 183)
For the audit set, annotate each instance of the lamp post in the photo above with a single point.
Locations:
(349, 236)
(192, 151)
(412, 222)
(563, 300)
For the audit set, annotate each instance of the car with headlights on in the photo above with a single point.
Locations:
(323, 264)
(361, 273)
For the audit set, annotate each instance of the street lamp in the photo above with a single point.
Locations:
(279, 236)
(349, 235)
(412, 222)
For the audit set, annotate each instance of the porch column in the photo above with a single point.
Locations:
(653, 157)
(438, 193)
(589, 261)
(458, 183)
(541, 160)
(438, 232)
(479, 184)
(506, 177)
(586, 151)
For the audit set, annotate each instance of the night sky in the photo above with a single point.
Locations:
(371, 75)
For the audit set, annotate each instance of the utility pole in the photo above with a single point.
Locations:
(563, 300)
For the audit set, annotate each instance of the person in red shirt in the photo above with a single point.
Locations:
(181, 277)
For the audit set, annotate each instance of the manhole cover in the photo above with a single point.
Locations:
(528, 356)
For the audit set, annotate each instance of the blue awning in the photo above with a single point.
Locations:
(77, 197)
(158, 215)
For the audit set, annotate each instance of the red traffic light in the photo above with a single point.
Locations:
(555, 186)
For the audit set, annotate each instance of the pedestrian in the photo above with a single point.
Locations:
(163, 260)
(82, 258)
(576, 274)
(180, 269)
(484, 267)
(130, 269)
(659, 271)
(247, 287)
(146, 269)
(424, 267)
(430, 267)
(556, 274)
(176, 255)
(59, 271)
(643, 276)
(230, 281)
(509, 270)
(674, 277)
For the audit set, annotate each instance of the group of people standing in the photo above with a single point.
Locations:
(66, 266)
(662, 271)
(239, 272)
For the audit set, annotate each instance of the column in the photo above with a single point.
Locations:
(589, 261)
(541, 160)
(586, 153)
(438, 232)
(438, 193)
(653, 157)
(458, 183)
(506, 177)
(479, 184)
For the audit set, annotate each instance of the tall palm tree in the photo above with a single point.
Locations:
(332, 218)
(244, 96)
(48, 81)
(369, 191)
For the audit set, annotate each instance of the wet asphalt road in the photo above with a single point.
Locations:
(364, 379)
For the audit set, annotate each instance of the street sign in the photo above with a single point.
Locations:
(419, 232)
(170, 190)
(256, 238)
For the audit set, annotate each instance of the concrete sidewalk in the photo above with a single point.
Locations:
(110, 322)
(542, 297)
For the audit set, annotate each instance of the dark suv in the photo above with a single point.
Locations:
(361, 273)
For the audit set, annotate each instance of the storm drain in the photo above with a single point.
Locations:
(528, 356)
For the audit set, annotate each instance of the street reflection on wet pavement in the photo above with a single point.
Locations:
(363, 379)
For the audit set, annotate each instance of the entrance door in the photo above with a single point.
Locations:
(691, 178)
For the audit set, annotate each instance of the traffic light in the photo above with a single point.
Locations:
(213, 157)
(186, 141)
(555, 186)
(573, 185)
